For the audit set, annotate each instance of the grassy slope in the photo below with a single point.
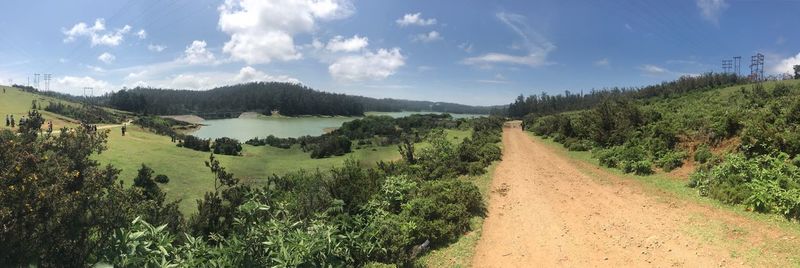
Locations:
(18, 103)
(190, 178)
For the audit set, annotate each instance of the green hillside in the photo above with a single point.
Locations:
(737, 144)
(189, 177)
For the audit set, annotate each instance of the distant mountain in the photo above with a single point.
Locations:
(265, 97)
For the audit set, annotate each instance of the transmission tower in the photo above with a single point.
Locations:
(727, 66)
(36, 81)
(757, 67)
(47, 81)
(737, 65)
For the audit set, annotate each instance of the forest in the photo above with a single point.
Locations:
(65, 209)
(265, 97)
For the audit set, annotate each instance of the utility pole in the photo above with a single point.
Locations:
(727, 66)
(737, 65)
(757, 67)
(47, 81)
(36, 81)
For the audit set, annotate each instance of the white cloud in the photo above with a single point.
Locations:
(535, 43)
(196, 53)
(338, 44)
(106, 57)
(629, 27)
(367, 66)
(262, 31)
(96, 69)
(415, 19)
(786, 65)
(156, 48)
(711, 9)
(97, 33)
(650, 69)
(604, 62)
(142, 34)
(466, 47)
(428, 37)
(74, 85)
(206, 80)
(487, 60)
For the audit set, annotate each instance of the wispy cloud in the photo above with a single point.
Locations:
(604, 62)
(712, 9)
(537, 46)
(653, 70)
(427, 37)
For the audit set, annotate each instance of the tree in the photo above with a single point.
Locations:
(797, 71)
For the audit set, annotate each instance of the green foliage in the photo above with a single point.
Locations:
(702, 154)
(160, 125)
(671, 160)
(88, 114)
(195, 143)
(60, 206)
(227, 146)
(768, 184)
(330, 145)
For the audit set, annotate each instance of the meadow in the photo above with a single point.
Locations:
(190, 178)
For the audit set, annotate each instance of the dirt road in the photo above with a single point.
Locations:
(545, 212)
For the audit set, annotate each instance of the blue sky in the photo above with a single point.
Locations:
(472, 52)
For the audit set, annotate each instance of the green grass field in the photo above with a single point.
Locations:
(18, 103)
(190, 178)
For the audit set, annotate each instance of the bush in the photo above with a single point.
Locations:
(671, 160)
(442, 210)
(702, 154)
(227, 146)
(161, 178)
(578, 145)
(642, 167)
(331, 145)
(767, 184)
(195, 143)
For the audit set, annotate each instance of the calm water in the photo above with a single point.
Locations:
(284, 127)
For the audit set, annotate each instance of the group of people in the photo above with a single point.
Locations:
(88, 127)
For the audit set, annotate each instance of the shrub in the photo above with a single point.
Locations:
(642, 167)
(161, 178)
(331, 145)
(227, 146)
(195, 143)
(442, 210)
(671, 160)
(702, 154)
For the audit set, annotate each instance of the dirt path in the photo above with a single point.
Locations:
(545, 212)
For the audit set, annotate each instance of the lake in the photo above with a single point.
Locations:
(244, 129)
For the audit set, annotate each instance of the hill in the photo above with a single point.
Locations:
(738, 143)
(265, 97)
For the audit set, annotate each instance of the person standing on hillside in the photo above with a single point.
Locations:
(12, 121)
(124, 127)
(8, 122)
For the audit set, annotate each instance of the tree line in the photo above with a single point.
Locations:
(545, 104)
(264, 97)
